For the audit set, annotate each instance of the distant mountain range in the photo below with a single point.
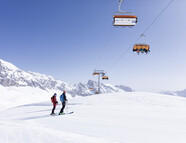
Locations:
(10, 75)
(181, 93)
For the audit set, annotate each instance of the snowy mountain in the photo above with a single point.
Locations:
(181, 93)
(10, 75)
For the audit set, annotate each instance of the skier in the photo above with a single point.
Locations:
(54, 101)
(63, 100)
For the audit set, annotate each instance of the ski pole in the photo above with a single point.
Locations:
(67, 106)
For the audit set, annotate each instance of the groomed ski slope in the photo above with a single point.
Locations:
(133, 117)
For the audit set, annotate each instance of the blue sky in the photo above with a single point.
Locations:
(68, 39)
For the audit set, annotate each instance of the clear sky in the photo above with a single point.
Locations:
(67, 39)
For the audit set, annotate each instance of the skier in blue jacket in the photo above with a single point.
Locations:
(63, 100)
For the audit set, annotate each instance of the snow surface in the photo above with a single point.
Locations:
(129, 117)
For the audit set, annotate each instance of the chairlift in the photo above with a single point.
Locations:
(143, 48)
(122, 18)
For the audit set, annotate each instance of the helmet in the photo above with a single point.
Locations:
(55, 94)
(64, 91)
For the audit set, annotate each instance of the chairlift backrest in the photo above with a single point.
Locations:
(124, 20)
(105, 77)
(95, 73)
(141, 46)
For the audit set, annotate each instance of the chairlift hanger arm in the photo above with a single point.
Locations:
(119, 8)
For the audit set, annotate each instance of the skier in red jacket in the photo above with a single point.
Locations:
(54, 101)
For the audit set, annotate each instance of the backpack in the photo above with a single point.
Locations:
(52, 99)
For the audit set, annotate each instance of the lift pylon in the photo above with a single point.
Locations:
(99, 73)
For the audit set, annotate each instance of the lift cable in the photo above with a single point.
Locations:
(104, 47)
(157, 17)
(122, 55)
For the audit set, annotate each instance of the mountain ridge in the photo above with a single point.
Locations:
(181, 93)
(10, 75)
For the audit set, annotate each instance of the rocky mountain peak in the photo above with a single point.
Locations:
(10, 75)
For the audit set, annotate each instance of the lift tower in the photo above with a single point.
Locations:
(99, 73)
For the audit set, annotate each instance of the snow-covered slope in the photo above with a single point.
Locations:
(10, 76)
(128, 117)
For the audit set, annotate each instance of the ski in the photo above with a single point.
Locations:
(56, 114)
(66, 113)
